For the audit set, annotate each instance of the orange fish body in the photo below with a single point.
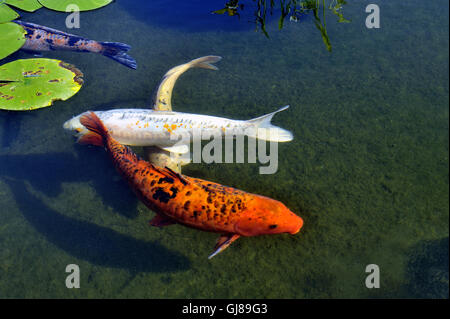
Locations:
(190, 201)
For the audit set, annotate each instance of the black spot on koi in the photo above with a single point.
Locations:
(166, 180)
(164, 196)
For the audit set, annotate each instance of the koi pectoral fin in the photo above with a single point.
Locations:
(161, 221)
(223, 242)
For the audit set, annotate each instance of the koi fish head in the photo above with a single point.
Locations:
(74, 125)
(267, 216)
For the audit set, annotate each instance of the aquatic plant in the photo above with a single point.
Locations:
(231, 8)
(83, 5)
(12, 38)
(35, 83)
(8, 14)
(294, 9)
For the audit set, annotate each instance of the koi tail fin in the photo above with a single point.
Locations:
(97, 131)
(162, 96)
(268, 132)
(205, 62)
(118, 52)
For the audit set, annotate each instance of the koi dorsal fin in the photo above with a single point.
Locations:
(176, 175)
(170, 173)
(46, 29)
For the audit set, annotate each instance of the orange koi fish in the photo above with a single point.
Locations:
(191, 201)
(40, 38)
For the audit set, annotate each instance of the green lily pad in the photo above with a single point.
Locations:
(35, 83)
(84, 5)
(12, 38)
(6, 13)
(26, 5)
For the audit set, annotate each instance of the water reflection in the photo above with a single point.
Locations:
(296, 10)
(237, 15)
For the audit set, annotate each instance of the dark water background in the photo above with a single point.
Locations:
(367, 170)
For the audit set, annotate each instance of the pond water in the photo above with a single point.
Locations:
(367, 169)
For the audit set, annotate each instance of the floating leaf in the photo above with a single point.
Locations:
(83, 5)
(221, 11)
(34, 83)
(26, 5)
(12, 38)
(6, 13)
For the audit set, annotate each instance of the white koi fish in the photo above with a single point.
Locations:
(143, 127)
(163, 128)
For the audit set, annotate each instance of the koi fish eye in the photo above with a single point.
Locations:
(78, 130)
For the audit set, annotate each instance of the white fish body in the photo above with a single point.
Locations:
(144, 127)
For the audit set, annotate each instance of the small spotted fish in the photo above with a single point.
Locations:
(40, 38)
(191, 201)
